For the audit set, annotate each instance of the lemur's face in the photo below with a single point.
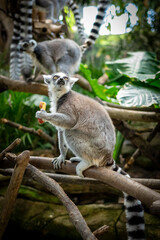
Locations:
(59, 81)
(28, 45)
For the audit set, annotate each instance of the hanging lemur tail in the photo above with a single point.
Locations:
(22, 29)
(75, 10)
(102, 6)
(15, 54)
(134, 213)
(26, 33)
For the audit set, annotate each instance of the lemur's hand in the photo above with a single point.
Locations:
(41, 114)
(42, 106)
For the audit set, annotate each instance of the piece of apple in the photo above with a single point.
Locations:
(42, 106)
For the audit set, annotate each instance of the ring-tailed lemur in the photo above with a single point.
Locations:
(86, 129)
(53, 55)
(22, 29)
(47, 59)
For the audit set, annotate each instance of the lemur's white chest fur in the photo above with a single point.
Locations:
(54, 96)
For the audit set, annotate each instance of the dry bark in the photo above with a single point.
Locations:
(105, 175)
(12, 191)
(15, 143)
(49, 184)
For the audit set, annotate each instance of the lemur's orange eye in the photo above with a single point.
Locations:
(55, 77)
(65, 78)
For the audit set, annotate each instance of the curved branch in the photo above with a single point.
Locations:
(105, 175)
(132, 115)
(115, 113)
(22, 86)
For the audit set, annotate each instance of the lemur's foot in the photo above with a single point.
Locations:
(81, 167)
(57, 162)
(29, 79)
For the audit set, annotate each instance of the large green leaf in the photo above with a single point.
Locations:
(139, 65)
(106, 93)
(137, 96)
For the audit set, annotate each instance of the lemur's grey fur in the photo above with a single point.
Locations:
(82, 122)
(86, 129)
(53, 55)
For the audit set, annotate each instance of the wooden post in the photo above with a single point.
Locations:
(12, 191)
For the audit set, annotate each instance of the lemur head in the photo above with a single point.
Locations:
(59, 82)
(28, 45)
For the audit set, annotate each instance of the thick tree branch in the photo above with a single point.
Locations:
(115, 113)
(132, 115)
(53, 187)
(75, 180)
(22, 86)
(83, 82)
(105, 175)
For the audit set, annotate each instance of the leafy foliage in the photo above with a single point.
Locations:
(140, 73)
(139, 65)
(137, 96)
(20, 107)
(106, 93)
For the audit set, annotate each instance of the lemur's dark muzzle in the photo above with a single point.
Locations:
(61, 81)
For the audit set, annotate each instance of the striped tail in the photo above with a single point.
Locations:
(26, 33)
(15, 54)
(134, 213)
(75, 10)
(102, 6)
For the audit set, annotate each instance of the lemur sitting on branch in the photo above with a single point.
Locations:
(86, 129)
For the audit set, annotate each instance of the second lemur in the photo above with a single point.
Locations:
(53, 55)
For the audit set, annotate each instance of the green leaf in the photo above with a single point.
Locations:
(103, 92)
(137, 96)
(139, 65)
(155, 82)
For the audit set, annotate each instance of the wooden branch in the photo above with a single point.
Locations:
(137, 153)
(103, 79)
(67, 179)
(132, 115)
(105, 175)
(53, 187)
(143, 145)
(14, 144)
(56, 189)
(46, 27)
(22, 86)
(38, 132)
(83, 82)
(155, 208)
(101, 230)
(12, 191)
(141, 109)
(115, 113)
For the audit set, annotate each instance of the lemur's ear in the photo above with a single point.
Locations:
(47, 78)
(73, 80)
